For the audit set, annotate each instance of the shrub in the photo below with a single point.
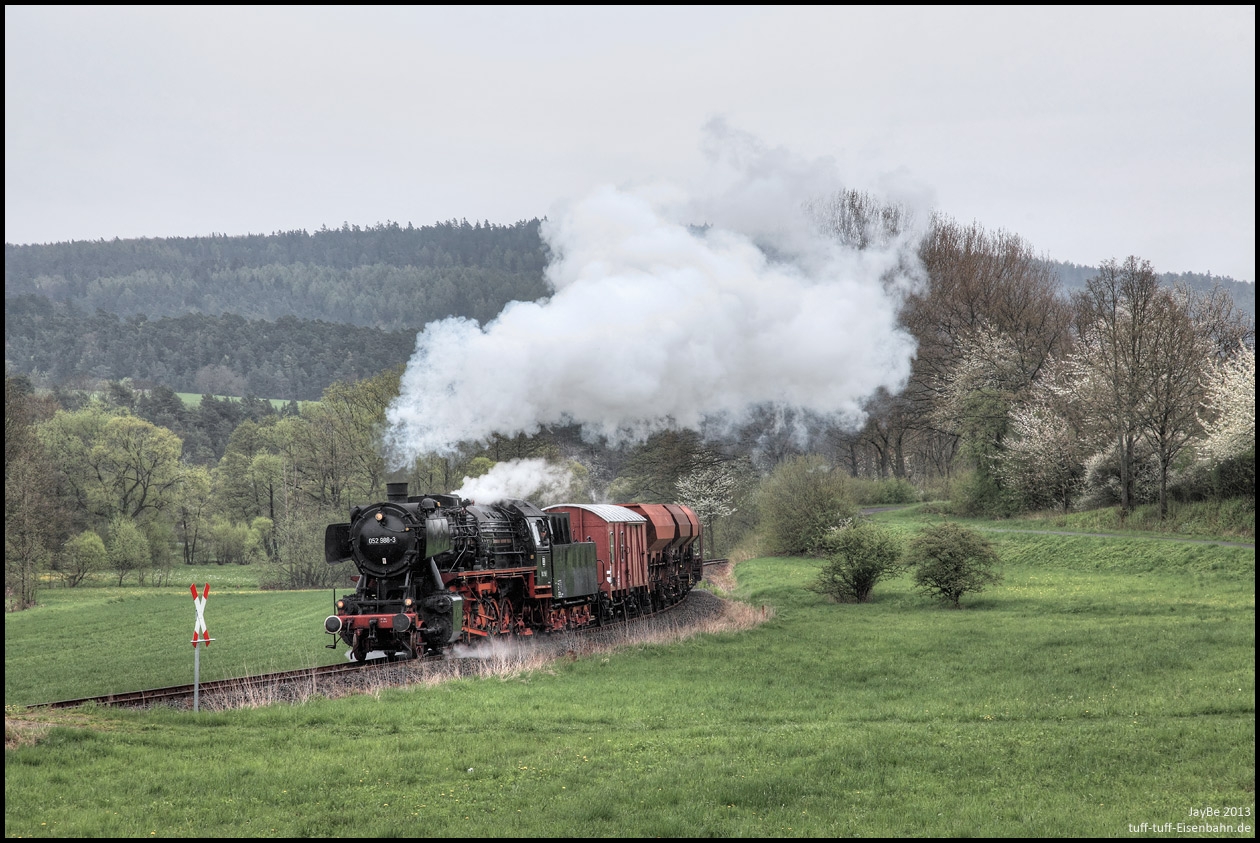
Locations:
(1204, 480)
(1100, 486)
(857, 557)
(869, 492)
(978, 493)
(800, 502)
(951, 560)
(85, 554)
(1235, 476)
(128, 549)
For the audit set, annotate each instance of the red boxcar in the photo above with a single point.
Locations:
(620, 537)
(651, 553)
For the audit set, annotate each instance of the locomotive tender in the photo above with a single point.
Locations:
(435, 570)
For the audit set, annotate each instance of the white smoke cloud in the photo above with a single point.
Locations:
(530, 479)
(654, 324)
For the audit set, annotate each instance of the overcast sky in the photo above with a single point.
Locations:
(1092, 132)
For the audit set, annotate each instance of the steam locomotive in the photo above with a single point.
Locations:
(435, 570)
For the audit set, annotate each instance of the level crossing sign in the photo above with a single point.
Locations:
(201, 635)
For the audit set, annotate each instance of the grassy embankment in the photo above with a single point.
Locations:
(1229, 520)
(1105, 682)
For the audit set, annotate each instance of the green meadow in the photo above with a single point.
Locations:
(192, 400)
(1105, 683)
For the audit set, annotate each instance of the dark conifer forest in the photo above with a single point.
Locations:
(281, 315)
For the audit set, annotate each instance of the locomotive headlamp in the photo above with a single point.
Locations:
(408, 602)
(341, 604)
(380, 516)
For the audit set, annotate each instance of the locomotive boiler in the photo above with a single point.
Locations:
(434, 570)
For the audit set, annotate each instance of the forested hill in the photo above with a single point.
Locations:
(281, 315)
(385, 276)
(1074, 277)
(58, 344)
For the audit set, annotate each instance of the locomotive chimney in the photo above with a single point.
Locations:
(396, 491)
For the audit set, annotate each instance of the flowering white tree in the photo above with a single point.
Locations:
(1044, 454)
(975, 400)
(978, 391)
(710, 492)
(1229, 419)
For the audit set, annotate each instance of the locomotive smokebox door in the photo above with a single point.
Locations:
(382, 540)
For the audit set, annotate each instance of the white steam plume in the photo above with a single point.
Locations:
(532, 479)
(654, 324)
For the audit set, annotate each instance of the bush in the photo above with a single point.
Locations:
(128, 549)
(1205, 480)
(868, 492)
(800, 502)
(1101, 485)
(1236, 476)
(978, 494)
(85, 554)
(857, 558)
(951, 561)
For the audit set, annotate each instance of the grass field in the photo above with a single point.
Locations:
(1104, 683)
(192, 400)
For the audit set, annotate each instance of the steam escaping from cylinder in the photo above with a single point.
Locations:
(671, 310)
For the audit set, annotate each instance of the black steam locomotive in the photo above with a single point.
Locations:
(435, 570)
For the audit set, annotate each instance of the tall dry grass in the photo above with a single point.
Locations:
(508, 659)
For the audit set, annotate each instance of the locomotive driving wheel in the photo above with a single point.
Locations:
(489, 618)
(507, 616)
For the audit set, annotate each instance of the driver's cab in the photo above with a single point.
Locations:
(540, 532)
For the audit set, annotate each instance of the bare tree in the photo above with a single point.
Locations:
(1219, 318)
(1179, 349)
(654, 468)
(333, 449)
(981, 284)
(1140, 361)
(859, 219)
(890, 424)
(862, 221)
(980, 278)
(1114, 347)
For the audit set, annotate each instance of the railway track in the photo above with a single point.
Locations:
(177, 694)
(293, 684)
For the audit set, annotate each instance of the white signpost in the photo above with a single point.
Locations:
(201, 635)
